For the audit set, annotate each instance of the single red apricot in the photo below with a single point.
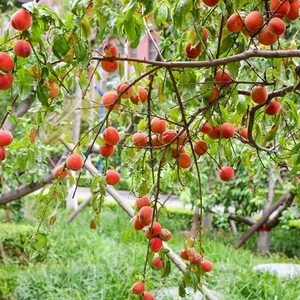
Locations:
(280, 8)
(22, 48)
(6, 62)
(276, 26)
(145, 215)
(211, 3)
(157, 263)
(6, 81)
(197, 259)
(110, 100)
(155, 244)
(3, 153)
(227, 130)
(125, 90)
(155, 229)
(226, 173)
(184, 160)
(106, 150)
(53, 88)
(192, 51)
(165, 235)
(273, 108)
(110, 66)
(111, 50)
(214, 94)
(206, 265)
(112, 177)
(235, 23)
(223, 79)
(206, 128)
(168, 135)
(293, 13)
(215, 133)
(158, 125)
(140, 139)
(138, 288)
(21, 20)
(205, 33)
(200, 147)
(6, 137)
(137, 225)
(74, 162)
(60, 172)
(243, 132)
(266, 38)
(111, 136)
(148, 296)
(259, 94)
(142, 201)
(254, 21)
(184, 254)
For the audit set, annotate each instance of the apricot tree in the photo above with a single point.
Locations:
(222, 94)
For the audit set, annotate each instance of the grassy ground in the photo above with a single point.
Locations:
(86, 264)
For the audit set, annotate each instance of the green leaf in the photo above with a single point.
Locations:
(182, 8)
(36, 245)
(42, 95)
(80, 51)
(60, 45)
(162, 15)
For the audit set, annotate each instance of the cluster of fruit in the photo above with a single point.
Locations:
(21, 21)
(190, 254)
(155, 234)
(267, 28)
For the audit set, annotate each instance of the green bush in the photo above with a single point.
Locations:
(12, 239)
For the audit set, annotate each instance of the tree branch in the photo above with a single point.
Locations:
(263, 219)
(26, 189)
(274, 221)
(211, 63)
(247, 220)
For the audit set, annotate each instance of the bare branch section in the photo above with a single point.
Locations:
(274, 221)
(211, 63)
(25, 189)
(247, 220)
(288, 196)
(130, 211)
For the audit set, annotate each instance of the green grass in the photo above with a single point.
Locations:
(87, 264)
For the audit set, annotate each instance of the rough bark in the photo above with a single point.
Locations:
(263, 242)
(247, 220)
(264, 234)
(207, 222)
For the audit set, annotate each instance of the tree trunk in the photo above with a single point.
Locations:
(263, 240)
(264, 233)
(207, 222)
